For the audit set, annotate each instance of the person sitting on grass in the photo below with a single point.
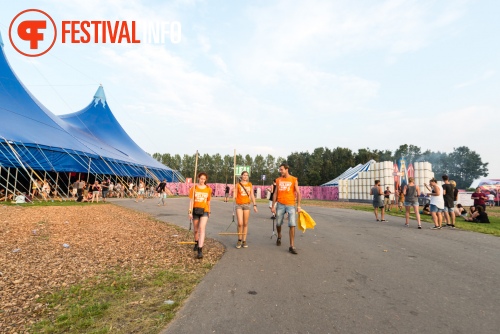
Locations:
(460, 211)
(472, 210)
(4, 198)
(20, 198)
(426, 210)
(480, 216)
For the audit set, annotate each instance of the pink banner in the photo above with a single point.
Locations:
(218, 190)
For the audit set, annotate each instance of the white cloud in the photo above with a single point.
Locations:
(486, 75)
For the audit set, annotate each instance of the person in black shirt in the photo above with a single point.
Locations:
(161, 190)
(226, 193)
(480, 216)
(448, 195)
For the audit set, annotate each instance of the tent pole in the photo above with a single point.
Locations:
(88, 171)
(31, 185)
(7, 183)
(15, 179)
(57, 182)
(69, 182)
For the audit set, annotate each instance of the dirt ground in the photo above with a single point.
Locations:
(43, 249)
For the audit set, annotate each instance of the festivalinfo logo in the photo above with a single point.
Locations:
(33, 32)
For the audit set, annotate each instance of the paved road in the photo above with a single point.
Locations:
(352, 275)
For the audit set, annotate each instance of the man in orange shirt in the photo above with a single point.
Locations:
(287, 189)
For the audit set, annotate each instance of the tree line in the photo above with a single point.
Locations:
(323, 164)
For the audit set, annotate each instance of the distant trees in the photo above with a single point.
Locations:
(324, 164)
(220, 169)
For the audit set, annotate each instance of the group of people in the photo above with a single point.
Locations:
(19, 197)
(283, 202)
(441, 206)
(90, 192)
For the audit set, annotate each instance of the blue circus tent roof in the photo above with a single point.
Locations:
(31, 135)
(350, 174)
(97, 120)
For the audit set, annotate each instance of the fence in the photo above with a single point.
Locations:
(218, 190)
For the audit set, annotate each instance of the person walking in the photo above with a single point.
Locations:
(141, 191)
(437, 203)
(243, 197)
(226, 193)
(378, 200)
(199, 211)
(287, 190)
(387, 199)
(491, 200)
(95, 191)
(448, 197)
(105, 189)
(411, 192)
(162, 195)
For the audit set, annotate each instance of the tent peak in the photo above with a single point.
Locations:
(100, 96)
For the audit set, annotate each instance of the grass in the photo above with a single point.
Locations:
(119, 302)
(38, 203)
(493, 214)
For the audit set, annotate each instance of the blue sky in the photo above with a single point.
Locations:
(276, 77)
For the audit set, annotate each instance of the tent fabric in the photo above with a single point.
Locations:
(350, 174)
(92, 139)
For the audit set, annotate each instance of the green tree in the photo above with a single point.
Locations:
(298, 163)
(340, 160)
(314, 166)
(228, 169)
(364, 155)
(465, 166)
(218, 167)
(187, 166)
(410, 152)
(258, 169)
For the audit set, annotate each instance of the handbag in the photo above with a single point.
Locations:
(198, 211)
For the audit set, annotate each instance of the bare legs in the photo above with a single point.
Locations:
(242, 216)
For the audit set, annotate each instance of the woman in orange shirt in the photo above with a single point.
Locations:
(199, 211)
(244, 196)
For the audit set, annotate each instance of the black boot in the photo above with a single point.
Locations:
(195, 248)
(200, 253)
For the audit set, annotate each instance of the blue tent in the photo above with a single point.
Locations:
(91, 140)
(350, 174)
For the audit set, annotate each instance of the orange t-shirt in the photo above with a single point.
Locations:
(202, 197)
(241, 195)
(286, 190)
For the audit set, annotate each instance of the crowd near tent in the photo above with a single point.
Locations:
(89, 144)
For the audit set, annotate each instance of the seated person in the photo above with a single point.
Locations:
(460, 211)
(479, 216)
(472, 210)
(20, 199)
(55, 196)
(426, 210)
(4, 198)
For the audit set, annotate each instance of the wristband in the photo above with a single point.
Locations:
(255, 205)
(189, 211)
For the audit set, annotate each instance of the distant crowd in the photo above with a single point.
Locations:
(442, 202)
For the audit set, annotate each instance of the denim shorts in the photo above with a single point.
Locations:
(415, 203)
(450, 210)
(281, 209)
(434, 208)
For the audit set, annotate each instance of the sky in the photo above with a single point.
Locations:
(276, 77)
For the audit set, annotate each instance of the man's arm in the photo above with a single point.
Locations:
(297, 193)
